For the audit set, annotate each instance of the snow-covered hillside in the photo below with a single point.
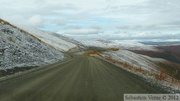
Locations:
(121, 44)
(21, 49)
(137, 60)
(57, 41)
(155, 70)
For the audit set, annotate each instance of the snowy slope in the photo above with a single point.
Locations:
(121, 44)
(57, 41)
(137, 60)
(21, 49)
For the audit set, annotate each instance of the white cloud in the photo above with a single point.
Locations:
(36, 20)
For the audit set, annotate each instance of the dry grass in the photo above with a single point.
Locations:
(96, 52)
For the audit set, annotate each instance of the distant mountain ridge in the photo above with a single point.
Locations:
(121, 44)
(161, 43)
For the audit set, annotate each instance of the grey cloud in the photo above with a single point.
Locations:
(72, 27)
(82, 31)
(143, 36)
(95, 27)
(59, 22)
(130, 27)
(147, 14)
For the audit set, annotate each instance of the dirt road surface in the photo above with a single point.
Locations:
(81, 78)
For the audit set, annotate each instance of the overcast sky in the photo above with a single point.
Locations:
(98, 19)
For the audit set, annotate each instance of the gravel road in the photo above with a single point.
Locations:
(81, 78)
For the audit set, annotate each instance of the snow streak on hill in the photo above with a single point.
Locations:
(21, 49)
(57, 41)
